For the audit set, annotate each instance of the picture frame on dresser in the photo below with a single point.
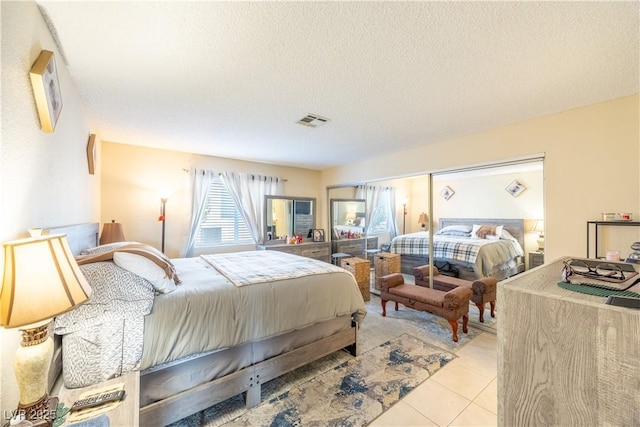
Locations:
(318, 235)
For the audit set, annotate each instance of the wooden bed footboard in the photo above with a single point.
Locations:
(247, 380)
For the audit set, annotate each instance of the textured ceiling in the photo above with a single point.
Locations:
(231, 79)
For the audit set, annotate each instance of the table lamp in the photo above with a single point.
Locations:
(41, 280)
(539, 227)
(422, 220)
(112, 232)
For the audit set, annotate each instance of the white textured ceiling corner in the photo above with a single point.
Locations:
(231, 79)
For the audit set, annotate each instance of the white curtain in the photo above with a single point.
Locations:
(248, 193)
(379, 200)
(201, 180)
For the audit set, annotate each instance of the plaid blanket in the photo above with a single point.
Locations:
(461, 249)
(247, 268)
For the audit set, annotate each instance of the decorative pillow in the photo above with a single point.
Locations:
(105, 248)
(507, 236)
(455, 230)
(147, 269)
(489, 232)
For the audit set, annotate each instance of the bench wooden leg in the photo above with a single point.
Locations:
(454, 326)
(481, 309)
(465, 322)
(493, 308)
(384, 307)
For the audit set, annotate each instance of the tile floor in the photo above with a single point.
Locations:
(462, 393)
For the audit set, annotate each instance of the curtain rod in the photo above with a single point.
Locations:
(253, 175)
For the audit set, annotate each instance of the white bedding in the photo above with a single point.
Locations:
(206, 312)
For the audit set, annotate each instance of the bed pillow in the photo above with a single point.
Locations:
(105, 248)
(488, 232)
(455, 230)
(146, 269)
(507, 236)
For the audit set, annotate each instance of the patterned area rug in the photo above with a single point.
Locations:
(395, 354)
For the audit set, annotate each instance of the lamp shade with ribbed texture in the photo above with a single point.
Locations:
(423, 219)
(41, 280)
(112, 232)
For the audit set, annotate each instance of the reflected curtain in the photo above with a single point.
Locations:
(379, 201)
(201, 180)
(248, 191)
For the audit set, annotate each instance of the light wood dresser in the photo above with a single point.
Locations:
(316, 250)
(565, 358)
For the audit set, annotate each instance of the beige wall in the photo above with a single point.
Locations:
(44, 179)
(592, 165)
(133, 179)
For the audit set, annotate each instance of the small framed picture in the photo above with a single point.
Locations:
(447, 192)
(318, 235)
(46, 90)
(515, 188)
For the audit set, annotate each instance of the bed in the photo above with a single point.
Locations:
(219, 333)
(468, 258)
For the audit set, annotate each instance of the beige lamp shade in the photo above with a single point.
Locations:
(423, 219)
(41, 280)
(112, 232)
(538, 226)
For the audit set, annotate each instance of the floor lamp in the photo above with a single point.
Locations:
(163, 217)
(404, 216)
(40, 281)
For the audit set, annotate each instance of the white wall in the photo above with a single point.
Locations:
(592, 165)
(44, 179)
(133, 179)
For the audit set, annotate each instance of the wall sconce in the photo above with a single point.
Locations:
(112, 232)
(539, 227)
(41, 280)
(163, 218)
(422, 220)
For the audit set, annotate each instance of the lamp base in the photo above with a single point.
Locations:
(40, 413)
(540, 241)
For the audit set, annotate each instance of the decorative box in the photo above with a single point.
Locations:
(361, 270)
(385, 263)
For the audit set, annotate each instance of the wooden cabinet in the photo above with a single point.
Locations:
(536, 259)
(354, 247)
(316, 250)
(565, 358)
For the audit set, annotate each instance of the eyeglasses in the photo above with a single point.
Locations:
(603, 271)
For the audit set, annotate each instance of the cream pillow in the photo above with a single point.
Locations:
(146, 269)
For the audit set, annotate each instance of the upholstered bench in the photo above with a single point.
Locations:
(484, 290)
(451, 305)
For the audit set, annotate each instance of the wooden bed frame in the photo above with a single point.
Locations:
(514, 226)
(247, 380)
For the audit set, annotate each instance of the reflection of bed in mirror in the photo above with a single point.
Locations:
(174, 385)
(471, 257)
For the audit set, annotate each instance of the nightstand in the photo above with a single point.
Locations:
(536, 259)
(125, 414)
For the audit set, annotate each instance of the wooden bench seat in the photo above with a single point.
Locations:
(484, 289)
(452, 305)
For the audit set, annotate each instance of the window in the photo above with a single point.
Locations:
(381, 212)
(222, 224)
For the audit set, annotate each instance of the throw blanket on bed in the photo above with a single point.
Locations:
(140, 249)
(461, 249)
(266, 266)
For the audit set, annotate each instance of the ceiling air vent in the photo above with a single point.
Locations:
(313, 120)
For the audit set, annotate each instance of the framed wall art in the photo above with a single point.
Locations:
(447, 192)
(46, 90)
(515, 188)
(91, 153)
